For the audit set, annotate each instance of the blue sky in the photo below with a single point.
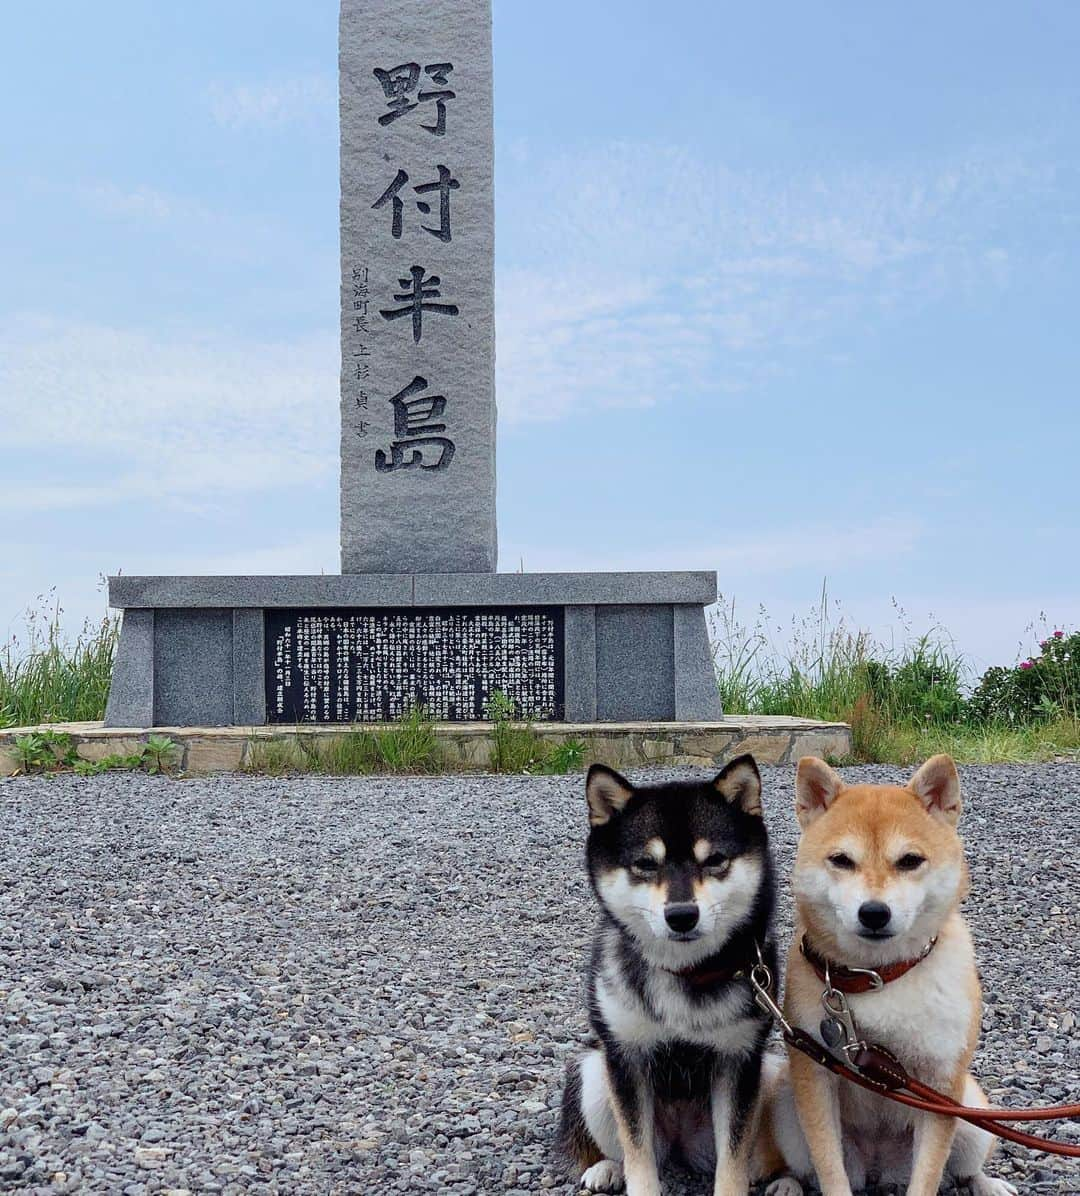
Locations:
(786, 291)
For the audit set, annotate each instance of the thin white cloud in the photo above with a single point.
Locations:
(232, 238)
(662, 271)
(272, 103)
(316, 553)
(818, 546)
(189, 421)
(662, 276)
(140, 203)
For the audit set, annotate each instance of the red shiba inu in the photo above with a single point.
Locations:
(878, 882)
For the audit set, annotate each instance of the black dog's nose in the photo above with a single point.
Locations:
(681, 916)
(874, 915)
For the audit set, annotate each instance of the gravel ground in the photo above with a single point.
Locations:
(242, 984)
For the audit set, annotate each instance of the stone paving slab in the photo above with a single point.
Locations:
(771, 739)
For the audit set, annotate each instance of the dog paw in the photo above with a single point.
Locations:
(786, 1185)
(605, 1176)
(983, 1185)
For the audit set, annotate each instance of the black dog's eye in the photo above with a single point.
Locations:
(841, 860)
(716, 860)
(911, 861)
(646, 864)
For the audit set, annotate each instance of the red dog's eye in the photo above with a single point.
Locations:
(840, 860)
(911, 861)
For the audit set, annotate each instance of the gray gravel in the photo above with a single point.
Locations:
(242, 984)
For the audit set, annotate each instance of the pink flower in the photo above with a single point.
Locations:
(1043, 643)
(1026, 664)
(1059, 635)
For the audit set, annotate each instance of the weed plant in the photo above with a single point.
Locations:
(44, 678)
(519, 749)
(409, 746)
(904, 703)
(51, 751)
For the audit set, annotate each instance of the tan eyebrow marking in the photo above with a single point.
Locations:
(656, 848)
(702, 850)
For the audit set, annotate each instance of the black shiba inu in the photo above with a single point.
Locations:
(684, 879)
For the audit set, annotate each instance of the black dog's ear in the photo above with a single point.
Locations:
(740, 784)
(607, 793)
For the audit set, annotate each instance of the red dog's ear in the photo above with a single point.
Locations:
(607, 793)
(937, 786)
(816, 788)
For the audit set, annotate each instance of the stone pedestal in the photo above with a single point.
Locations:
(564, 647)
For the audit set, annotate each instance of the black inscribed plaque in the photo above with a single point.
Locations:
(374, 665)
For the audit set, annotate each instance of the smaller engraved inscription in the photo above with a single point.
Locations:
(375, 665)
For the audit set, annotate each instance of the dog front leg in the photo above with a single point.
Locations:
(933, 1142)
(818, 1106)
(635, 1121)
(735, 1115)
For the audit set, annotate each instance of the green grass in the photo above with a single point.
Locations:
(41, 751)
(45, 678)
(278, 757)
(519, 749)
(565, 757)
(353, 753)
(903, 703)
(410, 746)
(49, 751)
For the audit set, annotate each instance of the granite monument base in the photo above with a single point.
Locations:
(562, 647)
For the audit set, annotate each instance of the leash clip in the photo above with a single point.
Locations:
(838, 1028)
(761, 982)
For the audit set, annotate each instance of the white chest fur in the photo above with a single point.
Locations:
(667, 1015)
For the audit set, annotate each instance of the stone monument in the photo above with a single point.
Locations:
(418, 614)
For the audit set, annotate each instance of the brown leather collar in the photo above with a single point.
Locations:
(858, 980)
(705, 975)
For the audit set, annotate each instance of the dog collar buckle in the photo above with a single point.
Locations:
(876, 982)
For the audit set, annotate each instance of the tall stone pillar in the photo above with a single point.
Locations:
(417, 287)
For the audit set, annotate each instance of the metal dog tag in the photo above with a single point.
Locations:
(833, 1033)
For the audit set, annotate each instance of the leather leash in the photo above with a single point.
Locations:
(877, 1069)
